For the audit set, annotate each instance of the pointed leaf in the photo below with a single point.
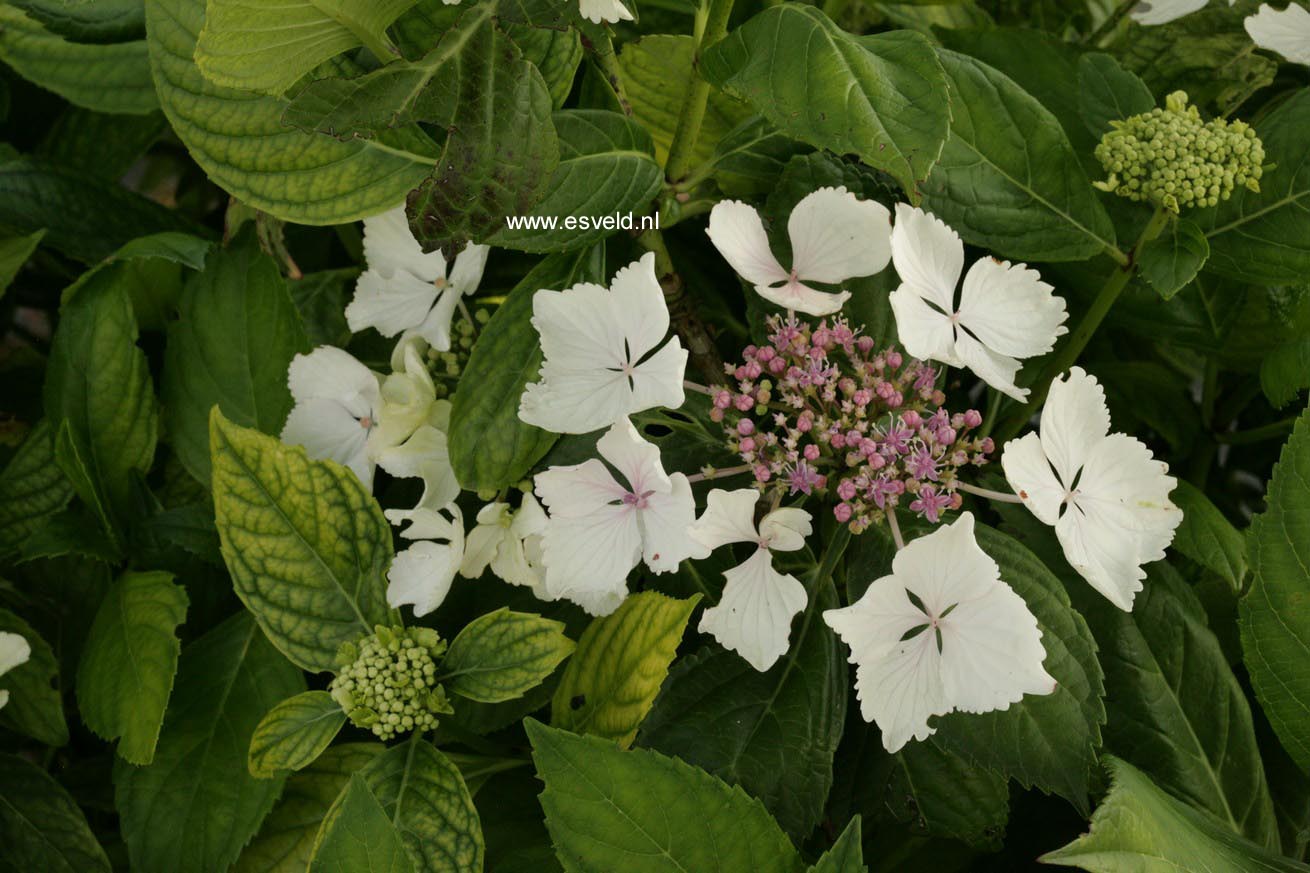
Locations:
(41, 827)
(642, 812)
(1207, 537)
(306, 544)
(126, 673)
(361, 839)
(846, 855)
(32, 488)
(621, 661)
(502, 655)
(196, 806)
(294, 733)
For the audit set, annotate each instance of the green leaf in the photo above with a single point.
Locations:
(606, 167)
(107, 78)
(32, 488)
(1207, 537)
(285, 843)
(882, 97)
(239, 141)
(35, 707)
(88, 20)
(398, 94)
(236, 334)
(1174, 258)
(1107, 92)
(1284, 373)
(305, 542)
(71, 207)
(749, 159)
(620, 663)
(423, 793)
(103, 146)
(938, 794)
(656, 70)
(1046, 741)
(294, 733)
(196, 806)
(1177, 711)
(1274, 616)
(501, 147)
(642, 812)
(126, 673)
(1264, 238)
(320, 299)
(98, 387)
(846, 855)
(179, 248)
(361, 838)
(1008, 179)
(1140, 829)
(502, 655)
(41, 827)
(14, 252)
(556, 53)
(772, 733)
(489, 446)
(269, 45)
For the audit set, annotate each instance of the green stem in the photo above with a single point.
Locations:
(1275, 430)
(1111, 22)
(692, 115)
(607, 59)
(841, 538)
(1068, 354)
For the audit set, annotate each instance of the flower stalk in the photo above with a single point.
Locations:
(692, 116)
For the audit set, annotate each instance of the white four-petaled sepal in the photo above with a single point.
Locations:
(600, 362)
(600, 528)
(406, 289)
(338, 403)
(1154, 12)
(1004, 313)
(1106, 496)
(941, 633)
(753, 617)
(421, 575)
(1286, 32)
(834, 235)
(14, 651)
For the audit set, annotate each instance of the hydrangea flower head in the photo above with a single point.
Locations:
(1171, 157)
(835, 236)
(387, 681)
(824, 410)
(941, 633)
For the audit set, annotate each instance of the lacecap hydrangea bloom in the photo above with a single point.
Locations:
(387, 683)
(1172, 158)
(823, 410)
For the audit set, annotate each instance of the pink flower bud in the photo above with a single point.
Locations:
(843, 512)
(846, 489)
(912, 420)
(745, 427)
(777, 365)
(864, 344)
(744, 402)
(747, 444)
(811, 452)
(946, 435)
(762, 473)
(894, 359)
(722, 400)
(972, 418)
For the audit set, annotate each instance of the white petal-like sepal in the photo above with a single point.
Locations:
(1286, 32)
(1153, 12)
(596, 343)
(753, 617)
(421, 575)
(942, 633)
(836, 236)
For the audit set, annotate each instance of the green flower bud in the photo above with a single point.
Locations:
(387, 686)
(1171, 157)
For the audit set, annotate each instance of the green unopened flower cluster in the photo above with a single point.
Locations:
(449, 364)
(387, 681)
(1170, 157)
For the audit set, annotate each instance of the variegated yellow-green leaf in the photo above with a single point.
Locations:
(237, 137)
(621, 661)
(503, 654)
(295, 733)
(268, 45)
(305, 542)
(361, 837)
(126, 673)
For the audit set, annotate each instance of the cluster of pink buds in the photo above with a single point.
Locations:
(820, 410)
